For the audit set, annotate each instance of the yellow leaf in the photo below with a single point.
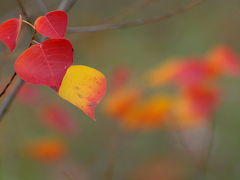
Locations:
(84, 87)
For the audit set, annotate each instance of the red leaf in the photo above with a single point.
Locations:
(45, 63)
(120, 76)
(191, 72)
(57, 117)
(222, 59)
(29, 94)
(9, 31)
(53, 24)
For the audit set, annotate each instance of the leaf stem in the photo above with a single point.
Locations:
(28, 23)
(36, 42)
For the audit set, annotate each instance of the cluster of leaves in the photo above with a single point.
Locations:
(50, 62)
(193, 100)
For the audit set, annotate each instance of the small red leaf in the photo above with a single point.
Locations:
(9, 31)
(45, 63)
(53, 24)
(29, 95)
(120, 76)
(59, 118)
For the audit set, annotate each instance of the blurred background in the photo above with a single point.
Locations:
(44, 137)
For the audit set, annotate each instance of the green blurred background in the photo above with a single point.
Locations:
(141, 48)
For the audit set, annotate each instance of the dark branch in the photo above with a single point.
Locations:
(7, 102)
(7, 85)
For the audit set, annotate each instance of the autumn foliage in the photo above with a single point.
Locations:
(158, 119)
(50, 62)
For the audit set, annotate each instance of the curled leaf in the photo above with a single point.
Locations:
(84, 87)
(9, 32)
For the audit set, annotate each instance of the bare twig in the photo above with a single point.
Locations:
(24, 12)
(137, 22)
(201, 164)
(8, 84)
(10, 97)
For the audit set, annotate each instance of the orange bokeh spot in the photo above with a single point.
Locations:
(120, 102)
(46, 150)
(148, 114)
(162, 74)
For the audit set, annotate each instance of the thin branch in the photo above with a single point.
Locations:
(204, 166)
(137, 22)
(8, 84)
(29, 24)
(24, 12)
(7, 102)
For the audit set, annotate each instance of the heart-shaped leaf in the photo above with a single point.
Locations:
(45, 63)
(9, 31)
(84, 87)
(53, 24)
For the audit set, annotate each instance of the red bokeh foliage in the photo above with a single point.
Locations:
(194, 98)
(59, 118)
(29, 94)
